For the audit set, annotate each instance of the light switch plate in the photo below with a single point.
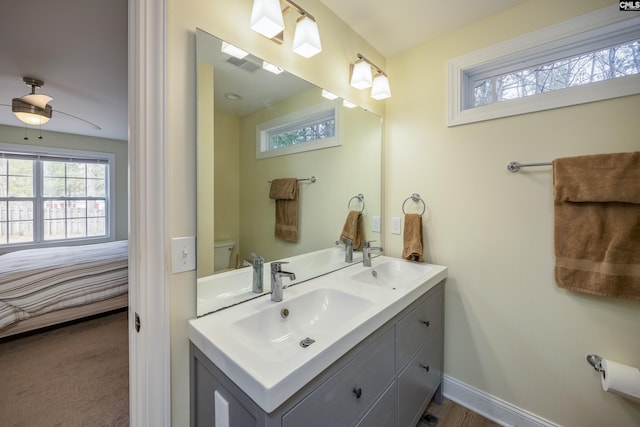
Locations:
(395, 225)
(183, 250)
(375, 224)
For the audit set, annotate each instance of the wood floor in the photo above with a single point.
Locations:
(450, 414)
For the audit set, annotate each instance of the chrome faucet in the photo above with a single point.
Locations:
(276, 280)
(366, 252)
(348, 249)
(258, 268)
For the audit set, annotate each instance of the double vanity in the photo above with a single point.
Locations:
(362, 345)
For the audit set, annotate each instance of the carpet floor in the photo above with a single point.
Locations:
(75, 375)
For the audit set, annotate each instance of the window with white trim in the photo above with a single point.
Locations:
(590, 58)
(53, 197)
(311, 128)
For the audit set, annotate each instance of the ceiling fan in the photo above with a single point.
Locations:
(34, 109)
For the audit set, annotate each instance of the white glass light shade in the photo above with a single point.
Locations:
(37, 99)
(381, 89)
(266, 18)
(32, 118)
(271, 68)
(361, 77)
(306, 40)
(230, 49)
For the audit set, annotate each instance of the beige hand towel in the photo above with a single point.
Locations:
(353, 229)
(412, 248)
(597, 224)
(285, 193)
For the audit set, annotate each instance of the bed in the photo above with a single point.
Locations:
(43, 287)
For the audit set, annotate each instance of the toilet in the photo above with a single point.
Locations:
(222, 251)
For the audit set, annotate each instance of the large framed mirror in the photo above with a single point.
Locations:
(237, 100)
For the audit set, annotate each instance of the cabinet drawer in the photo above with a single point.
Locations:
(418, 382)
(351, 391)
(418, 327)
(383, 412)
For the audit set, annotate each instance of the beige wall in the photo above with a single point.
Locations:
(509, 331)
(15, 135)
(229, 20)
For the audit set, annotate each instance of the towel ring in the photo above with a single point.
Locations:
(416, 198)
(360, 198)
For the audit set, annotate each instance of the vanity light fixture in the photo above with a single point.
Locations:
(236, 52)
(361, 78)
(329, 95)
(267, 19)
(271, 68)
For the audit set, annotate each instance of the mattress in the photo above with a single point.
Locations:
(38, 281)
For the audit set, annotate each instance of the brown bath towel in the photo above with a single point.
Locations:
(285, 192)
(412, 248)
(353, 229)
(597, 224)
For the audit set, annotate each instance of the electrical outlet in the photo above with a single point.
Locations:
(375, 224)
(395, 225)
(183, 251)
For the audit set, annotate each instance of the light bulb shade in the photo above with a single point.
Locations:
(361, 77)
(236, 52)
(381, 89)
(306, 40)
(266, 18)
(29, 113)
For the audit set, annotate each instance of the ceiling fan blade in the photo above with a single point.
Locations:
(95, 126)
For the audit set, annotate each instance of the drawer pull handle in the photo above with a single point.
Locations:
(426, 322)
(426, 368)
(357, 392)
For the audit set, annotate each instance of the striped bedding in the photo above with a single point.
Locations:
(38, 281)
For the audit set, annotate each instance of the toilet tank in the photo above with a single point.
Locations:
(222, 251)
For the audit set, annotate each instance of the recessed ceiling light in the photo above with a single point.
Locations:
(232, 96)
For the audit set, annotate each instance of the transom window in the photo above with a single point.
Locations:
(589, 58)
(49, 198)
(312, 128)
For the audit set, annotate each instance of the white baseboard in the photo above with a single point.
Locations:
(491, 407)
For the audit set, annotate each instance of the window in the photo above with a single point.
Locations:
(50, 197)
(589, 58)
(312, 128)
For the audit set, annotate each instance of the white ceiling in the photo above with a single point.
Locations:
(79, 49)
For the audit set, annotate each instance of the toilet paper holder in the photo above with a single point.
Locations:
(595, 361)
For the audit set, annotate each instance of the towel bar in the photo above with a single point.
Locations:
(416, 198)
(515, 166)
(312, 179)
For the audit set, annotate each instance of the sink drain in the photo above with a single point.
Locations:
(306, 342)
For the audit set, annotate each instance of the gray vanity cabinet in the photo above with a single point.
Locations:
(386, 380)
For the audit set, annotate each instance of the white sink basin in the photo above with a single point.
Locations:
(393, 274)
(280, 330)
(260, 351)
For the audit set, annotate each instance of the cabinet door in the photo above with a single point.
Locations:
(383, 413)
(351, 391)
(205, 402)
(418, 327)
(418, 382)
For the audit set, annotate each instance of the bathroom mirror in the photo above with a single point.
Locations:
(236, 217)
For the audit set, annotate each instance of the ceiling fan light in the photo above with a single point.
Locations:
(381, 88)
(361, 77)
(30, 114)
(266, 18)
(306, 39)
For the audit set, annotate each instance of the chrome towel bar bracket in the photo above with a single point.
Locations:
(515, 166)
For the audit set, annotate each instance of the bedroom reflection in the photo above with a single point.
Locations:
(234, 209)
